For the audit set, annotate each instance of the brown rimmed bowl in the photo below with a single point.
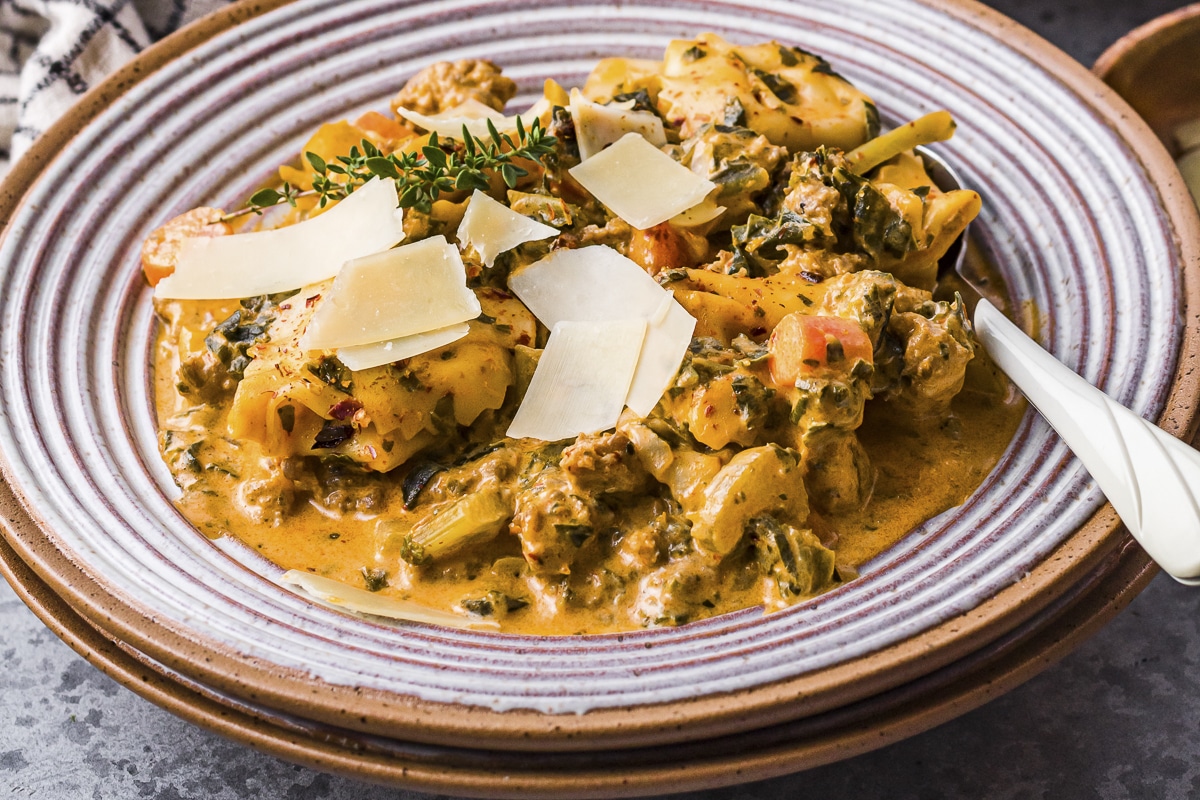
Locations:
(1156, 68)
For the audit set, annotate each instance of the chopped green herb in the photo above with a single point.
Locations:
(780, 87)
(375, 579)
(287, 417)
(232, 338)
(872, 116)
(641, 100)
(331, 371)
(578, 534)
(332, 434)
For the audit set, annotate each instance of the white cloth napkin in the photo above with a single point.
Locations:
(52, 51)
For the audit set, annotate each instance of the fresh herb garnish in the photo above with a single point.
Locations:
(440, 167)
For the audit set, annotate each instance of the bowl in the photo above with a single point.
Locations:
(1081, 216)
(1155, 68)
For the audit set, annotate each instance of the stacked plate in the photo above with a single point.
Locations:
(1083, 214)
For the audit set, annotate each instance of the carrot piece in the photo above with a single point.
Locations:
(160, 251)
(802, 345)
(386, 128)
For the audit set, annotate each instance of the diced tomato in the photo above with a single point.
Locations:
(802, 345)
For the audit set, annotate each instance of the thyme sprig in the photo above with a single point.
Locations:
(420, 177)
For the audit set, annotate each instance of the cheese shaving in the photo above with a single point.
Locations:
(698, 215)
(667, 338)
(597, 283)
(597, 126)
(475, 116)
(365, 356)
(360, 601)
(266, 262)
(410, 290)
(493, 228)
(640, 183)
(581, 380)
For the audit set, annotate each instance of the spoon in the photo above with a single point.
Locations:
(1151, 478)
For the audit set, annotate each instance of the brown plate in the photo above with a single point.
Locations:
(873, 723)
(1081, 216)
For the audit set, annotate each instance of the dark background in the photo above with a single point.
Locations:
(1119, 718)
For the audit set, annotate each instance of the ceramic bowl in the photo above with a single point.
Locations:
(1096, 245)
(1156, 68)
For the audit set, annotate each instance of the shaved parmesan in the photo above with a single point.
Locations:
(474, 115)
(640, 183)
(586, 283)
(667, 340)
(265, 262)
(597, 126)
(351, 598)
(413, 289)
(581, 380)
(365, 356)
(597, 283)
(698, 215)
(493, 228)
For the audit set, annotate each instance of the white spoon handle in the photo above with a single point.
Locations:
(1151, 478)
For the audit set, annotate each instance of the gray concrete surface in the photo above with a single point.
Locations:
(1117, 719)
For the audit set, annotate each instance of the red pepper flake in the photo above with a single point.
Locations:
(709, 411)
(310, 301)
(345, 409)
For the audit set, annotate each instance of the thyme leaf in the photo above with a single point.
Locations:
(421, 178)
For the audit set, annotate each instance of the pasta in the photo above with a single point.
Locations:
(802, 366)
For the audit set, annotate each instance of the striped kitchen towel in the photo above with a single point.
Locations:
(53, 51)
